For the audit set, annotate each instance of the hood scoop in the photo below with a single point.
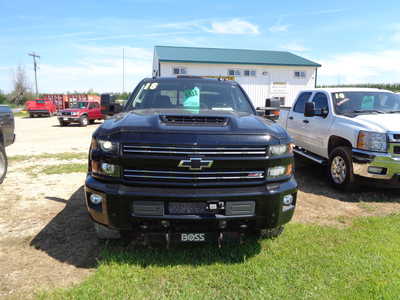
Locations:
(185, 120)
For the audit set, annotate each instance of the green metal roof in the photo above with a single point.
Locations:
(231, 56)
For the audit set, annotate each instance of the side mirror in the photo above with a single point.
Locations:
(273, 103)
(115, 108)
(107, 102)
(309, 109)
(272, 109)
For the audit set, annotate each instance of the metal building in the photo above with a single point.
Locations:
(263, 74)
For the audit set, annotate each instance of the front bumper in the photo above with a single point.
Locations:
(116, 209)
(37, 111)
(70, 119)
(363, 161)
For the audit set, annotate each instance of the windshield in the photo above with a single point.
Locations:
(365, 102)
(78, 105)
(191, 95)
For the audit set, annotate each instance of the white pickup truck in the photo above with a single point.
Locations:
(355, 132)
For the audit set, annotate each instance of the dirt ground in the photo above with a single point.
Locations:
(46, 237)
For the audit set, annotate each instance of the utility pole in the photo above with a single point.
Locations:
(123, 70)
(34, 55)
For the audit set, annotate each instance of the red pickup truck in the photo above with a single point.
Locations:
(82, 112)
(40, 107)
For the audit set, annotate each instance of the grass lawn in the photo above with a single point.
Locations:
(61, 156)
(306, 262)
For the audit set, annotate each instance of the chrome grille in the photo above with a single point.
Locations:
(172, 150)
(174, 176)
(66, 113)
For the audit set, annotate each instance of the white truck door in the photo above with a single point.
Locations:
(295, 125)
(317, 127)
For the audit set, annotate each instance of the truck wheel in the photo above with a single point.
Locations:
(105, 233)
(340, 169)
(62, 123)
(3, 163)
(84, 121)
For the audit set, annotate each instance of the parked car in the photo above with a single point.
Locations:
(82, 112)
(7, 137)
(40, 107)
(355, 132)
(189, 160)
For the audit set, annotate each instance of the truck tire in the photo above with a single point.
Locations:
(30, 115)
(84, 121)
(105, 233)
(340, 169)
(3, 163)
(62, 123)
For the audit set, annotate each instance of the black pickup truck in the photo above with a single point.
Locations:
(189, 159)
(7, 137)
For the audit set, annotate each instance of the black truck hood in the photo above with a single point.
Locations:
(151, 121)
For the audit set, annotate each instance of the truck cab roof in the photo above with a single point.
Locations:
(346, 89)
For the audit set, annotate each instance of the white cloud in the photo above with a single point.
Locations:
(295, 47)
(358, 67)
(396, 33)
(234, 26)
(279, 28)
(100, 68)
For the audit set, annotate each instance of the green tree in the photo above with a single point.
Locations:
(3, 98)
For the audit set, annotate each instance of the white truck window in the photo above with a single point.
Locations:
(301, 102)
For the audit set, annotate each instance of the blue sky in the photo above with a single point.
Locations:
(80, 42)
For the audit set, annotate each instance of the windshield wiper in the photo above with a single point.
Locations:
(394, 111)
(368, 111)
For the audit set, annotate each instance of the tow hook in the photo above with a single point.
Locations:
(220, 239)
(167, 240)
(243, 229)
(144, 236)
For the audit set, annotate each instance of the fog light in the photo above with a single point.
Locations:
(287, 199)
(377, 170)
(222, 224)
(96, 199)
(107, 168)
(164, 223)
(276, 171)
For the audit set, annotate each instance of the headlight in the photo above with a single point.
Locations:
(104, 168)
(279, 171)
(104, 145)
(280, 149)
(372, 141)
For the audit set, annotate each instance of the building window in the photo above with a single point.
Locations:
(249, 73)
(299, 74)
(234, 72)
(179, 71)
(265, 73)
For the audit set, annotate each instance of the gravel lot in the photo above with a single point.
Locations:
(46, 237)
(39, 135)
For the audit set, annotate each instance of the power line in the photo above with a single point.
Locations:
(123, 70)
(34, 56)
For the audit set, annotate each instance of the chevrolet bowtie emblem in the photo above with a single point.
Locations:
(195, 164)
